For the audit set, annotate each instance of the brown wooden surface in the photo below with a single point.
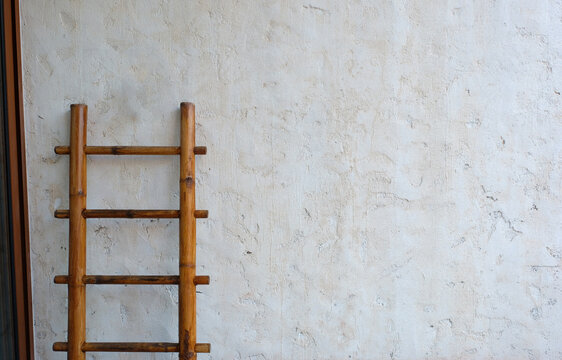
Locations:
(122, 347)
(187, 280)
(77, 233)
(201, 214)
(132, 150)
(202, 280)
(14, 113)
(130, 214)
(132, 347)
(202, 348)
(124, 279)
(187, 295)
(134, 279)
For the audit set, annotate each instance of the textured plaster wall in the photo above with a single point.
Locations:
(383, 177)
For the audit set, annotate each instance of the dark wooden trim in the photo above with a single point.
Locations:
(17, 179)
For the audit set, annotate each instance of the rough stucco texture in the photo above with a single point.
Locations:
(383, 178)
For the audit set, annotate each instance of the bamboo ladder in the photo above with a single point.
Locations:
(187, 280)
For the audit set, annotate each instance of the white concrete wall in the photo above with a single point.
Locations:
(383, 177)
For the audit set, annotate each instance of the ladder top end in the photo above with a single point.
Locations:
(187, 104)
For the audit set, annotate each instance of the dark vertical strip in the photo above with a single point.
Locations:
(8, 329)
(8, 332)
(15, 175)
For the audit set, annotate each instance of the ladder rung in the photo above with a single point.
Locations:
(130, 214)
(202, 280)
(131, 347)
(134, 279)
(123, 279)
(203, 348)
(131, 150)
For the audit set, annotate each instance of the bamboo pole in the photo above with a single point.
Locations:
(77, 233)
(131, 150)
(134, 279)
(187, 315)
(130, 214)
(132, 347)
(202, 280)
(124, 279)
(122, 347)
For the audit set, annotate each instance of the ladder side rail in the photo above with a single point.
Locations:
(187, 233)
(77, 233)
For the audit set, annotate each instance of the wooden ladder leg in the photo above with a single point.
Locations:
(77, 233)
(186, 292)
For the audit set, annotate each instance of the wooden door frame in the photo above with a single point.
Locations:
(17, 180)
